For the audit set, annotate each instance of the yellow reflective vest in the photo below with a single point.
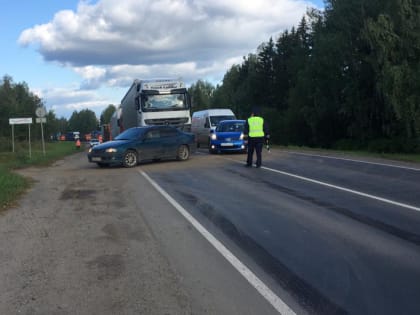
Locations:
(256, 127)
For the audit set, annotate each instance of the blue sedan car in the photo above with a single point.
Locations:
(144, 143)
(228, 137)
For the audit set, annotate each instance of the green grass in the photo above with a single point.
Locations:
(13, 185)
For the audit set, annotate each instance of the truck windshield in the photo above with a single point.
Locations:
(164, 102)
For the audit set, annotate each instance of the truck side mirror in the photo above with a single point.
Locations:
(137, 102)
(190, 101)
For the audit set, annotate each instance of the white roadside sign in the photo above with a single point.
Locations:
(41, 120)
(20, 121)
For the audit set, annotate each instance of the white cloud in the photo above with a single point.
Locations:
(160, 31)
(65, 101)
(110, 45)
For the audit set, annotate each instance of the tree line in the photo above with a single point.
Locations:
(347, 77)
(17, 101)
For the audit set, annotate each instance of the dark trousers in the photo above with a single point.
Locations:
(257, 145)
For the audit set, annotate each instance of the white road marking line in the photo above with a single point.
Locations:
(265, 291)
(395, 203)
(352, 160)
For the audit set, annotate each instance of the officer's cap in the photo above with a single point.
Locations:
(256, 110)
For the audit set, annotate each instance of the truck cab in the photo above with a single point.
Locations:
(156, 102)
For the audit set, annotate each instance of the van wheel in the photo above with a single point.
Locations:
(130, 159)
(183, 153)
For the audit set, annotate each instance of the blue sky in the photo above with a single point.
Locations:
(84, 54)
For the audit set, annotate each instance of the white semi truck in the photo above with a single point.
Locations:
(116, 123)
(156, 102)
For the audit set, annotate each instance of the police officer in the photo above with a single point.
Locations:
(256, 130)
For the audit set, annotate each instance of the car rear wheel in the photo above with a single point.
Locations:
(183, 153)
(130, 159)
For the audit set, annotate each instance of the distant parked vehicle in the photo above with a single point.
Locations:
(144, 143)
(228, 137)
(72, 136)
(93, 142)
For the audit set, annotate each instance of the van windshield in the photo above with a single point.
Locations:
(214, 120)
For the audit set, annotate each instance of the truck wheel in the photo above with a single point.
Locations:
(130, 159)
(183, 153)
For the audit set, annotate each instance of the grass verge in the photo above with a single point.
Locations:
(13, 185)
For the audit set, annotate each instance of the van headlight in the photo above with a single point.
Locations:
(241, 137)
(213, 136)
(111, 150)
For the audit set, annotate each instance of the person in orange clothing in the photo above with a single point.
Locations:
(78, 144)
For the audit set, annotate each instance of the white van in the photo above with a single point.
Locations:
(205, 121)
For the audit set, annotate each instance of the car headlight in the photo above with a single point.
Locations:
(213, 136)
(90, 150)
(241, 137)
(111, 150)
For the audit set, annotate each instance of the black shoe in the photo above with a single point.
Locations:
(248, 165)
(257, 166)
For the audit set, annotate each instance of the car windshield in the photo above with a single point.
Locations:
(233, 126)
(130, 134)
(162, 102)
(214, 120)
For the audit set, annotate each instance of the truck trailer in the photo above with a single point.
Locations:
(116, 123)
(156, 102)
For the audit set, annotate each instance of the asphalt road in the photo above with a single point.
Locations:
(311, 234)
(337, 236)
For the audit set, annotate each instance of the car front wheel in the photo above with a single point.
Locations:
(130, 159)
(183, 153)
